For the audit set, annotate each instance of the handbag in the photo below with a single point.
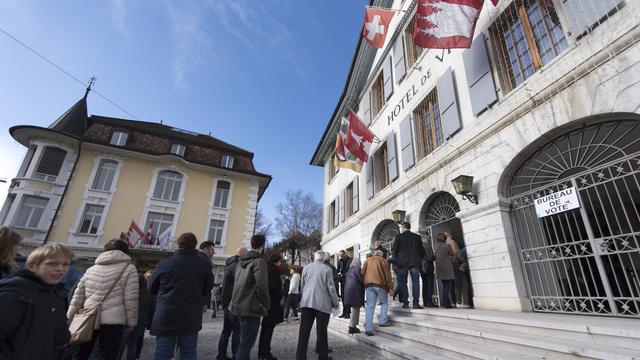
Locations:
(86, 319)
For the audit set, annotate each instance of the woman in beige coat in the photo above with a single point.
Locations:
(119, 309)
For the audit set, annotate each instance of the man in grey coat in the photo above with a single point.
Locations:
(318, 297)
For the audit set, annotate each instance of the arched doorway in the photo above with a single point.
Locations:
(438, 215)
(384, 233)
(587, 259)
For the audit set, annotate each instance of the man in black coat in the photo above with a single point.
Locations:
(231, 325)
(180, 283)
(408, 254)
(343, 266)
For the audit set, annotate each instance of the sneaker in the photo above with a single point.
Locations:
(463, 306)
(405, 306)
(417, 306)
(385, 325)
(296, 319)
(369, 333)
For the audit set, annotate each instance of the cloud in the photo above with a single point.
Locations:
(119, 17)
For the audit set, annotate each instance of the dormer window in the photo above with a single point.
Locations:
(226, 161)
(178, 149)
(119, 138)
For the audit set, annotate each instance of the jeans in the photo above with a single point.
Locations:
(166, 347)
(403, 273)
(110, 337)
(447, 286)
(230, 328)
(308, 316)
(249, 327)
(427, 288)
(134, 342)
(372, 294)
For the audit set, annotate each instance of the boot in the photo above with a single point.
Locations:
(354, 330)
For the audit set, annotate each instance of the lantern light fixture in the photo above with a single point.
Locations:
(398, 216)
(463, 184)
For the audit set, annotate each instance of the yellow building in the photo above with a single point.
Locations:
(86, 178)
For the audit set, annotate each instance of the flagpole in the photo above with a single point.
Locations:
(384, 8)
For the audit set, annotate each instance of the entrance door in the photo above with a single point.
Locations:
(585, 260)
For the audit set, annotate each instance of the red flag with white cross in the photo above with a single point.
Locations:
(359, 138)
(446, 24)
(376, 25)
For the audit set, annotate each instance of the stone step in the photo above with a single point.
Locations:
(411, 344)
(598, 330)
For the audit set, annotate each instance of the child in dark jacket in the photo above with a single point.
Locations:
(33, 322)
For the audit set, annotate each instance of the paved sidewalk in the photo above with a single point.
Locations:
(283, 345)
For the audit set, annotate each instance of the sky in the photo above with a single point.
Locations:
(264, 75)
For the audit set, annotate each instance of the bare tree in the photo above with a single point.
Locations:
(262, 225)
(299, 223)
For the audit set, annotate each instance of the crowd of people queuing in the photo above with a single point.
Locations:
(258, 292)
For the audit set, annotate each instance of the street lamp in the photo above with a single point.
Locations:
(464, 185)
(398, 216)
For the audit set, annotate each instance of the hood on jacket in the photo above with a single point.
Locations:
(232, 259)
(27, 283)
(112, 257)
(251, 256)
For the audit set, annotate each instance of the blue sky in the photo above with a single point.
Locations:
(261, 74)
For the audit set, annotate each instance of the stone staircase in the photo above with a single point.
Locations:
(480, 334)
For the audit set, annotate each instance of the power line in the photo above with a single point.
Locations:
(65, 72)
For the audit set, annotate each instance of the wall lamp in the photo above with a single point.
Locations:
(398, 216)
(463, 185)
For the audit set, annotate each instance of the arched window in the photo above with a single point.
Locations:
(222, 194)
(168, 185)
(104, 175)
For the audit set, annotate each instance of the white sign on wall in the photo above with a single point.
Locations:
(557, 202)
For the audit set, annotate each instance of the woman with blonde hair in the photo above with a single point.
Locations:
(10, 243)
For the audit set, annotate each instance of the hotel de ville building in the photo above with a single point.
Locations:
(525, 146)
(85, 178)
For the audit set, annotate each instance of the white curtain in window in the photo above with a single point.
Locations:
(168, 186)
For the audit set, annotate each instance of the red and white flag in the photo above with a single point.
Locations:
(147, 235)
(133, 235)
(446, 24)
(495, 2)
(359, 138)
(376, 25)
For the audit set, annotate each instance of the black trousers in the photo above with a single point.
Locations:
(110, 340)
(291, 303)
(308, 316)
(264, 344)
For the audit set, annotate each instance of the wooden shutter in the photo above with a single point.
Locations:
(406, 143)
(365, 105)
(369, 177)
(584, 14)
(355, 205)
(343, 201)
(482, 90)
(392, 159)
(336, 211)
(328, 218)
(449, 115)
(399, 67)
(387, 67)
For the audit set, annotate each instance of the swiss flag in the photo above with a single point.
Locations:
(446, 24)
(376, 25)
(147, 236)
(359, 138)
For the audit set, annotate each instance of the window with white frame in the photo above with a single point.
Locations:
(91, 219)
(104, 175)
(216, 230)
(50, 163)
(168, 185)
(119, 138)
(158, 223)
(226, 161)
(30, 211)
(221, 198)
(178, 149)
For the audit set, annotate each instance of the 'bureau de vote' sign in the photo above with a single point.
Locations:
(557, 202)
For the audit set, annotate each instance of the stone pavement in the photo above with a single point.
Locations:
(283, 345)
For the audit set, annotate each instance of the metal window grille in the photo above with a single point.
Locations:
(427, 125)
(377, 95)
(168, 186)
(216, 228)
(226, 161)
(105, 175)
(30, 211)
(91, 219)
(381, 169)
(527, 35)
(412, 50)
(161, 222)
(119, 138)
(50, 163)
(222, 194)
(178, 149)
